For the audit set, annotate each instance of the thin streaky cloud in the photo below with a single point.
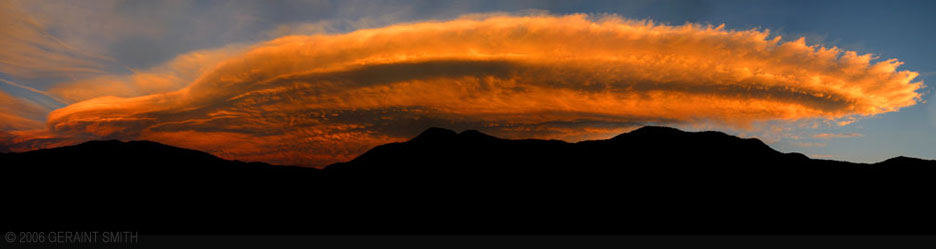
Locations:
(837, 135)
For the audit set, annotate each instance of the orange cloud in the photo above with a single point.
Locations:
(837, 135)
(18, 114)
(808, 144)
(314, 100)
(174, 75)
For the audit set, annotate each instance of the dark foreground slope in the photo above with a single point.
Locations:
(654, 180)
(139, 185)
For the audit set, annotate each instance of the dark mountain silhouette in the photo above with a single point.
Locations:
(654, 180)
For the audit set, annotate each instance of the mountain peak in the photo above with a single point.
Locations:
(102, 142)
(474, 134)
(650, 131)
(656, 130)
(435, 133)
(903, 160)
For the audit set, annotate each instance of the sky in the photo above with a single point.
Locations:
(315, 82)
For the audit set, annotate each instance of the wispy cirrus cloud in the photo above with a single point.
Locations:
(809, 144)
(317, 99)
(30, 51)
(19, 114)
(837, 135)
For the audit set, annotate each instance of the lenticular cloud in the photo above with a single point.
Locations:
(314, 100)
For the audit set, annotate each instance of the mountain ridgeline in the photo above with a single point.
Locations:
(653, 180)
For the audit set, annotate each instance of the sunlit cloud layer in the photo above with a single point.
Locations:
(317, 99)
